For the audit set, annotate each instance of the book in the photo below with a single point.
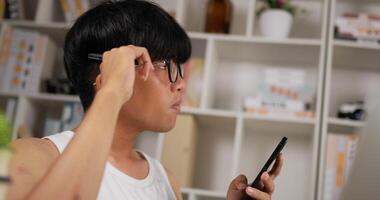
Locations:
(179, 149)
(10, 110)
(26, 58)
(341, 151)
(71, 116)
(72, 9)
(194, 78)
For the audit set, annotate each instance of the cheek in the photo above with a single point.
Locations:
(151, 98)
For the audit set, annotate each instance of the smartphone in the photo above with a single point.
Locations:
(276, 152)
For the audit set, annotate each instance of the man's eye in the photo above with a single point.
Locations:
(162, 66)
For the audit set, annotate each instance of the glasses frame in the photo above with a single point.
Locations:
(167, 65)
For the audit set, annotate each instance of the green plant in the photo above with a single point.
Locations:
(5, 131)
(277, 4)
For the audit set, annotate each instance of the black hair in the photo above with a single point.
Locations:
(114, 24)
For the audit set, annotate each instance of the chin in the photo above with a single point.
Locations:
(164, 127)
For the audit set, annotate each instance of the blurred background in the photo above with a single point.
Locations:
(260, 70)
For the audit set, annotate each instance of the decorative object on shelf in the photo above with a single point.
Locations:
(72, 114)
(352, 110)
(358, 27)
(276, 18)
(5, 153)
(72, 9)
(219, 16)
(59, 86)
(194, 79)
(5, 130)
(282, 92)
(26, 57)
(11, 9)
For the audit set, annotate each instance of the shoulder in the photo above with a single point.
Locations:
(31, 159)
(174, 183)
(32, 156)
(34, 147)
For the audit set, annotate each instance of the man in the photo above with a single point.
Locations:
(135, 86)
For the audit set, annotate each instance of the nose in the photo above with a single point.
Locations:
(179, 85)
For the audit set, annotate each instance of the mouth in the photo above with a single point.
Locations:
(177, 106)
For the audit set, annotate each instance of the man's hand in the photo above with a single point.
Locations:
(117, 70)
(239, 185)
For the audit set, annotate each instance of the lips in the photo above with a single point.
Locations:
(177, 106)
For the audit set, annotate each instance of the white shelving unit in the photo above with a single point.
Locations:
(230, 141)
(352, 74)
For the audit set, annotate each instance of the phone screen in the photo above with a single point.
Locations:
(276, 152)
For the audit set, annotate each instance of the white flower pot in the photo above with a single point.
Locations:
(276, 23)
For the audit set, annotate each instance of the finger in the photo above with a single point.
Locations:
(276, 169)
(268, 183)
(257, 194)
(142, 53)
(240, 182)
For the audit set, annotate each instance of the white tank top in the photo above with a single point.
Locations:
(117, 185)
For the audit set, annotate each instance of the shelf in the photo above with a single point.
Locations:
(34, 24)
(346, 122)
(352, 44)
(8, 94)
(209, 112)
(255, 39)
(184, 110)
(200, 192)
(305, 121)
(193, 35)
(54, 97)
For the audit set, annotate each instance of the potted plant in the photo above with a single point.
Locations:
(276, 18)
(5, 153)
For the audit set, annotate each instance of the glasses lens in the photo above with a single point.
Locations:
(173, 72)
(181, 70)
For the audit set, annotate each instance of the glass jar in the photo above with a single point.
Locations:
(218, 16)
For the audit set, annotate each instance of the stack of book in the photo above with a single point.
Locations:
(11, 9)
(341, 150)
(358, 27)
(281, 92)
(26, 57)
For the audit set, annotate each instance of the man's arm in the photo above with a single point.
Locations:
(77, 173)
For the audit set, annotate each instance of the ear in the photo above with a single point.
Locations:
(98, 83)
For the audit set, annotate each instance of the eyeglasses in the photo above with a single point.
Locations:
(174, 69)
(5, 179)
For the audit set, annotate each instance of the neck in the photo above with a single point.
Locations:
(124, 141)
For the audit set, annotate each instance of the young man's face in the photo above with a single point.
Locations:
(155, 103)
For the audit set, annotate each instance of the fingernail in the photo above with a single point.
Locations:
(241, 186)
(264, 176)
(251, 191)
